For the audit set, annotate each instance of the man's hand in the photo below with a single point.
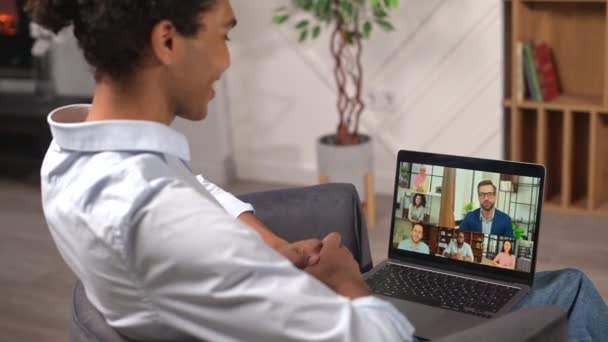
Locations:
(302, 253)
(338, 269)
(310, 246)
(268, 236)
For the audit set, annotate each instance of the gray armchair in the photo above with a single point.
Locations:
(302, 213)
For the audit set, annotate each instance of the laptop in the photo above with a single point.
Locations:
(463, 240)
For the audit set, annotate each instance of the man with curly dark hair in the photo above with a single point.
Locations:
(167, 256)
(160, 252)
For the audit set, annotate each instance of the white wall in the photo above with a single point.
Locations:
(211, 140)
(444, 63)
(71, 73)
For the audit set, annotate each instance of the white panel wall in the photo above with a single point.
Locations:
(443, 62)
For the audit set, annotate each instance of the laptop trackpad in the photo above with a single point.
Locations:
(433, 322)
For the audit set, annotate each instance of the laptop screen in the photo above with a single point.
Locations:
(473, 213)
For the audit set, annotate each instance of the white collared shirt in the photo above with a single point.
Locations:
(162, 255)
(486, 225)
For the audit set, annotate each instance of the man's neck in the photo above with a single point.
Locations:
(139, 99)
(460, 244)
(415, 244)
(488, 214)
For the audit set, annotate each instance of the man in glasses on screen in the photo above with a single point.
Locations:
(487, 219)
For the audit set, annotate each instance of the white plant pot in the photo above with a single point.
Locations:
(346, 163)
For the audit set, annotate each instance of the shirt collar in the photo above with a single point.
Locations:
(70, 132)
(483, 219)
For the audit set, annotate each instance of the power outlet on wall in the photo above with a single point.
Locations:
(378, 99)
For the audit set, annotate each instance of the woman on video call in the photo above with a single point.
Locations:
(505, 259)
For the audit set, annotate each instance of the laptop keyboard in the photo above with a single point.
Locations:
(443, 290)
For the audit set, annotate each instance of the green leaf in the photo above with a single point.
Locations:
(365, 13)
(347, 11)
(316, 31)
(367, 29)
(279, 19)
(323, 10)
(386, 26)
(302, 24)
(379, 12)
(306, 5)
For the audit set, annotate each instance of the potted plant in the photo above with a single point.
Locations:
(404, 173)
(346, 154)
(518, 232)
(466, 208)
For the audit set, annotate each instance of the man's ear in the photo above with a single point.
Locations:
(164, 42)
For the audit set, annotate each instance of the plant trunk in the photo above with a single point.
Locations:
(348, 73)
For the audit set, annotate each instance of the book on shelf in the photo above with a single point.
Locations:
(547, 75)
(520, 94)
(531, 74)
(537, 76)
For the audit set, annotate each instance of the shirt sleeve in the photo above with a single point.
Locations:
(229, 202)
(469, 251)
(426, 249)
(215, 279)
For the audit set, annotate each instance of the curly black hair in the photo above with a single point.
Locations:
(114, 34)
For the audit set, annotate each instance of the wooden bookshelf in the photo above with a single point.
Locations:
(567, 134)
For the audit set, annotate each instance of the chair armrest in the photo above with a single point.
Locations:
(313, 212)
(546, 323)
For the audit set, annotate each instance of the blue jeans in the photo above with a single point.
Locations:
(573, 291)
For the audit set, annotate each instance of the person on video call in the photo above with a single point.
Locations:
(415, 243)
(505, 259)
(487, 219)
(421, 180)
(417, 209)
(458, 249)
(165, 256)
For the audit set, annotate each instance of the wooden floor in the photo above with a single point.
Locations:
(35, 284)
